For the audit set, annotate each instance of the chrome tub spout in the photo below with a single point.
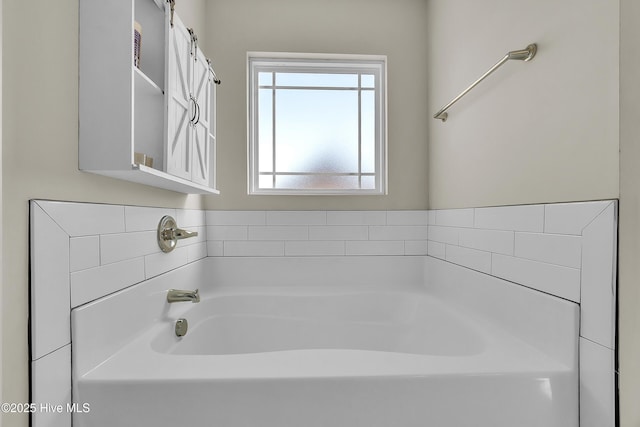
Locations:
(177, 295)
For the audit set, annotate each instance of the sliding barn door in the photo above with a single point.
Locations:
(202, 82)
(181, 107)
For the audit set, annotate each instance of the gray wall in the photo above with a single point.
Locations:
(393, 28)
(563, 127)
(629, 232)
(40, 156)
(536, 132)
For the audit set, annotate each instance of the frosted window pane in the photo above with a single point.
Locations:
(265, 181)
(316, 131)
(265, 130)
(265, 79)
(368, 182)
(315, 125)
(317, 182)
(317, 79)
(368, 80)
(368, 132)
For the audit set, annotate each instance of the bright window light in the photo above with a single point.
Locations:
(317, 124)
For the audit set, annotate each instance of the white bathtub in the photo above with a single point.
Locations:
(259, 322)
(326, 356)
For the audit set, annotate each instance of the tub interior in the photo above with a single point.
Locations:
(411, 323)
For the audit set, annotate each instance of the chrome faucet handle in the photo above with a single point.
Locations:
(180, 234)
(169, 234)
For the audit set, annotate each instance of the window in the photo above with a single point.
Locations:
(317, 124)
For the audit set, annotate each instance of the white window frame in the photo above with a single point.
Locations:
(322, 63)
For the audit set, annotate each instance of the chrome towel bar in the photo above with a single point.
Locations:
(526, 54)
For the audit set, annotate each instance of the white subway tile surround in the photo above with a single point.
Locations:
(142, 218)
(319, 248)
(599, 278)
(84, 252)
(316, 233)
(436, 249)
(356, 217)
(50, 322)
(51, 376)
(563, 249)
(500, 242)
(538, 246)
(515, 218)
(553, 249)
(597, 385)
(474, 259)
(81, 252)
(567, 250)
(570, 218)
(552, 279)
(94, 283)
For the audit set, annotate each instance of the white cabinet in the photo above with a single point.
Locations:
(165, 109)
(189, 98)
(204, 140)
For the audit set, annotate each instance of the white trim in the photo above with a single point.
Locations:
(317, 56)
(321, 63)
(1, 203)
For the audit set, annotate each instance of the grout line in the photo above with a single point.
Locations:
(596, 343)
(491, 263)
(596, 217)
(508, 280)
(51, 352)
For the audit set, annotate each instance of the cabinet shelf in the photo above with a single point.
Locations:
(144, 85)
(156, 178)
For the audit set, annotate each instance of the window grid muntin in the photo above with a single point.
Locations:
(360, 130)
(275, 87)
(273, 134)
(375, 68)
